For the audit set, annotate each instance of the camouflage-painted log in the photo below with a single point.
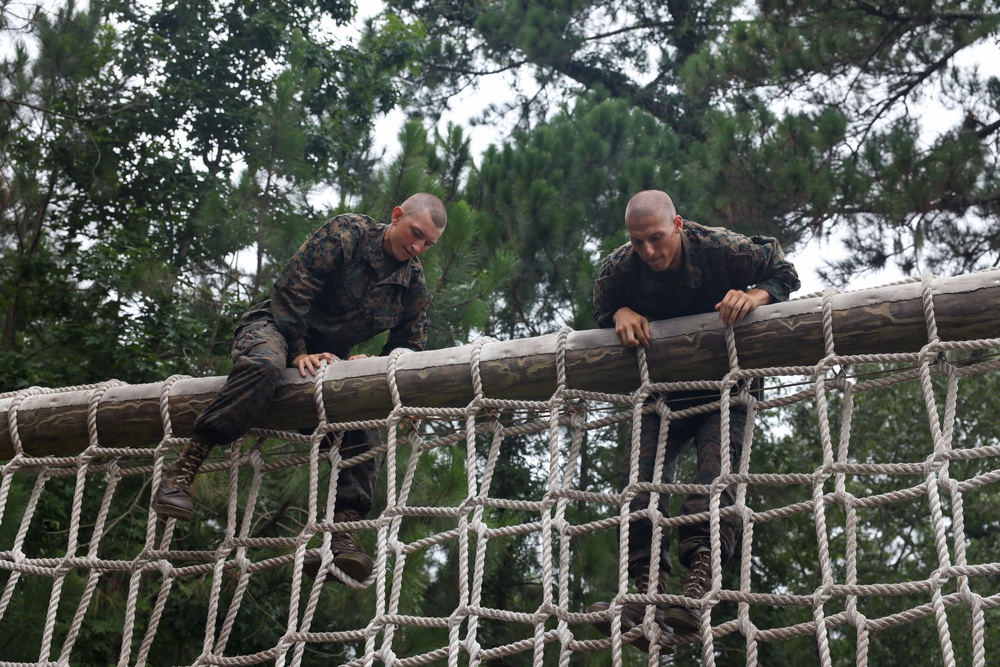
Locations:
(882, 320)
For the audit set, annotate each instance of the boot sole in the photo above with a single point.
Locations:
(172, 511)
(357, 566)
(640, 642)
(682, 620)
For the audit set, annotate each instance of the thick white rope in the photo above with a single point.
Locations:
(554, 630)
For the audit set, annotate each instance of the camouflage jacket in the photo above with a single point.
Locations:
(715, 260)
(341, 288)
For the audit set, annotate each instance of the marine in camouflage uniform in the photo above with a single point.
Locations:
(671, 268)
(351, 280)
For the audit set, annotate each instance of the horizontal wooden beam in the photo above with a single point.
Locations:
(877, 321)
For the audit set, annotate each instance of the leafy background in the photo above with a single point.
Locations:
(159, 162)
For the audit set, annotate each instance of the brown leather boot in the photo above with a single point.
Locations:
(347, 555)
(173, 498)
(634, 613)
(697, 580)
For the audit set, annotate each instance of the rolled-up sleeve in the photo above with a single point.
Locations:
(772, 272)
(608, 295)
(411, 332)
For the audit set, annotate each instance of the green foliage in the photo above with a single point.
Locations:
(159, 164)
(895, 538)
(554, 198)
(800, 119)
(145, 151)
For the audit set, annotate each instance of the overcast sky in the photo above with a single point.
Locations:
(470, 104)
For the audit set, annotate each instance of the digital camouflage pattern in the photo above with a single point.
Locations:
(703, 431)
(715, 260)
(339, 289)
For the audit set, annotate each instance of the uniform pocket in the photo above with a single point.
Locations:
(383, 320)
(255, 334)
(386, 305)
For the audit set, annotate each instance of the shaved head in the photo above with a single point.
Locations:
(654, 230)
(425, 201)
(650, 203)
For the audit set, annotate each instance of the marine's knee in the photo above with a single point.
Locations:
(266, 367)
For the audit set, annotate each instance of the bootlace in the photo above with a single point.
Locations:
(343, 540)
(642, 582)
(182, 473)
(696, 579)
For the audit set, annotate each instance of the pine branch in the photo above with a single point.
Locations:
(58, 114)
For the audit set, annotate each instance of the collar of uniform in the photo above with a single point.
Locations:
(372, 251)
(690, 271)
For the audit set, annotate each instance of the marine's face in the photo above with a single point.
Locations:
(410, 234)
(657, 240)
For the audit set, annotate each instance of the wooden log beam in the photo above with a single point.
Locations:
(882, 320)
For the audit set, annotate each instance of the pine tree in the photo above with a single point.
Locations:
(794, 119)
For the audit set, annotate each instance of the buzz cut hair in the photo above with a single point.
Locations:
(650, 202)
(425, 201)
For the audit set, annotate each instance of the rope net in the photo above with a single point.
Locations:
(99, 573)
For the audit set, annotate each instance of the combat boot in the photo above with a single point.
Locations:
(697, 580)
(634, 613)
(173, 498)
(347, 555)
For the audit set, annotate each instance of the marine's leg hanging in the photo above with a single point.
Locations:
(355, 485)
(641, 547)
(173, 497)
(259, 360)
(694, 550)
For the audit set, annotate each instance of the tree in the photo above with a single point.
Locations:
(555, 197)
(138, 147)
(133, 173)
(795, 119)
(133, 170)
(48, 102)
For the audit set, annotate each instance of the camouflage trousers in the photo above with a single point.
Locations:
(704, 432)
(260, 357)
